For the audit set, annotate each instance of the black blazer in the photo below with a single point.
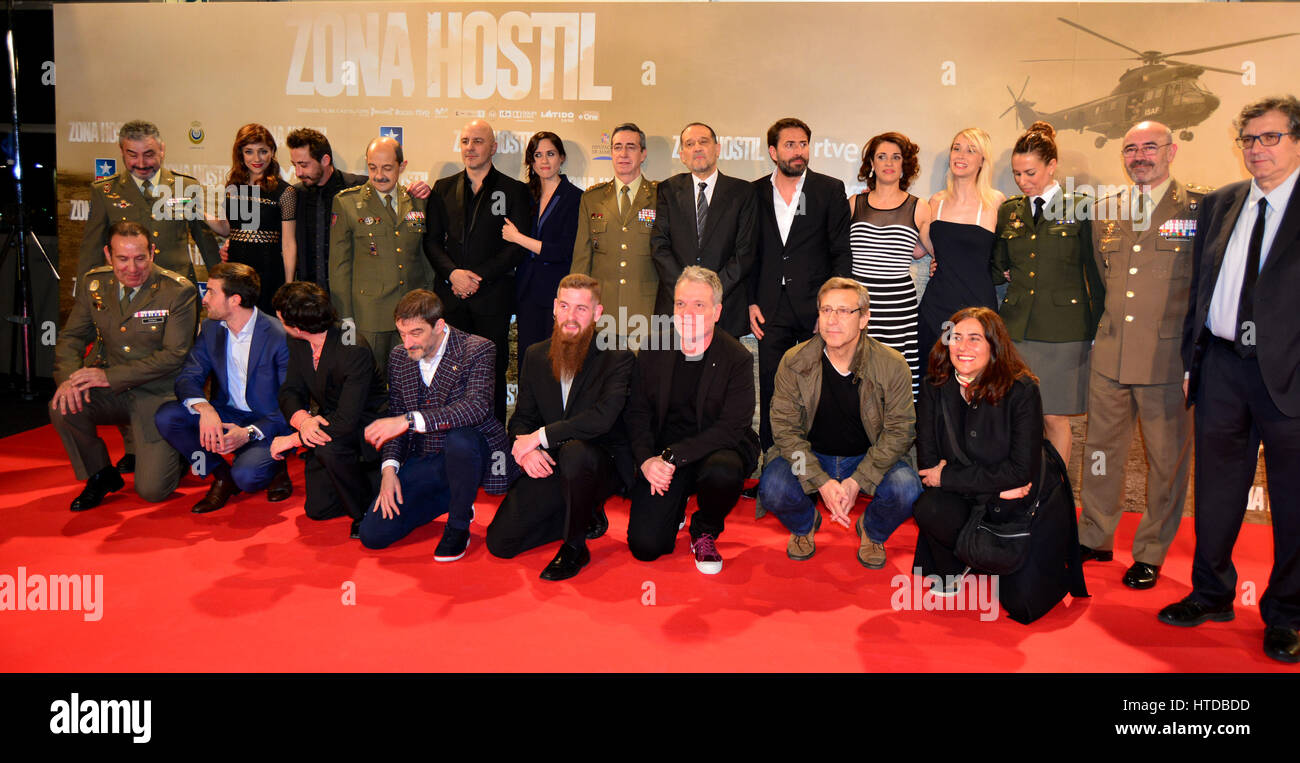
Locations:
(728, 247)
(539, 275)
(816, 249)
(1003, 442)
(724, 406)
(451, 243)
(596, 400)
(346, 386)
(1277, 333)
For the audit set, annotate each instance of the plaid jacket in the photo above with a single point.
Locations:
(462, 393)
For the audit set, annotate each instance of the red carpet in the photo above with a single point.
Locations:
(259, 587)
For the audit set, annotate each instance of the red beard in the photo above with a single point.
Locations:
(567, 352)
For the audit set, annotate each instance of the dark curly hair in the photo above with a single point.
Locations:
(1005, 364)
(304, 306)
(911, 162)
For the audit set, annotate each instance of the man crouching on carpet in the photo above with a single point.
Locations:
(243, 349)
(566, 431)
(441, 440)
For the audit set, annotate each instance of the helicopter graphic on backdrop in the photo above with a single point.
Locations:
(1160, 88)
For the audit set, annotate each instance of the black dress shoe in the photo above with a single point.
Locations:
(126, 464)
(222, 490)
(1142, 576)
(1189, 612)
(1282, 643)
(100, 484)
(355, 532)
(567, 563)
(599, 523)
(281, 487)
(1087, 554)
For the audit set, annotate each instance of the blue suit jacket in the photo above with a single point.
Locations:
(268, 361)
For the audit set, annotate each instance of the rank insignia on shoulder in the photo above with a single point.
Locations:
(646, 216)
(1178, 228)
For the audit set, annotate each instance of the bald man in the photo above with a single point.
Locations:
(1143, 236)
(474, 266)
(375, 249)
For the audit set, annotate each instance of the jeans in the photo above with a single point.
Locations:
(782, 494)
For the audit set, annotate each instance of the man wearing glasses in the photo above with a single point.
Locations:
(843, 421)
(1143, 239)
(1241, 340)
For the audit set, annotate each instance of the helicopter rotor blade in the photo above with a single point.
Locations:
(1023, 88)
(1088, 60)
(1082, 28)
(1231, 45)
(1203, 66)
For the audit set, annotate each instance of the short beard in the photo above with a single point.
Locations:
(568, 352)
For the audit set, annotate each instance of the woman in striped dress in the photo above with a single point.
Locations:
(885, 235)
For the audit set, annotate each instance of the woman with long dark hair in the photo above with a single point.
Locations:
(259, 213)
(549, 243)
(979, 443)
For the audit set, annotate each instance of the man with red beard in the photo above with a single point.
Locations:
(566, 429)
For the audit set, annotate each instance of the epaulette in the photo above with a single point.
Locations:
(183, 175)
(350, 190)
(601, 184)
(1013, 199)
(100, 269)
(102, 182)
(177, 277)
(1199, 190)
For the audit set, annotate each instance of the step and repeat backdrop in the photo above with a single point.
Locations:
(419, 71)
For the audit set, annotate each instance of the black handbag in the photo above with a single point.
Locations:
(990, 541)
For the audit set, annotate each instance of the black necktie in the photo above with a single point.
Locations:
(1039, 203)
(1246, 307)
(701, 213)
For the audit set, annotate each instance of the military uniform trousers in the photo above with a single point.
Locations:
(1113, 408)
(157, 465)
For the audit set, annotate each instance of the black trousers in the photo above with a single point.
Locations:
(338, 481)
(490, 320)
(559, 507)
(1234, 413)
(781, 331)
(940, 516)
(716, 481)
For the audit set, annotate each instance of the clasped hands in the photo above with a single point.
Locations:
(73, 393)
(219, 436)
(931, 478)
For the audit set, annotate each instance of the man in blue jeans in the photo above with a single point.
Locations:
(842, 422)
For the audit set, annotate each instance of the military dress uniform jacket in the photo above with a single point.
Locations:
(1056, 292)
(1148, 275)
(142, 350)
(118, 198)
(616, 250)
(374, 263)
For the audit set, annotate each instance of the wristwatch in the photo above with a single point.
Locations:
(410, 420)
(668, 456)
(252, 433)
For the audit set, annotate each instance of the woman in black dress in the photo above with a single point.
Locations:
(259, 213)
(549, 243)
(961, 236)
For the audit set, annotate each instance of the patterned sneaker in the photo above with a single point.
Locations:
(802, 547)
(707, 558)
(453, 545)
(870, 553)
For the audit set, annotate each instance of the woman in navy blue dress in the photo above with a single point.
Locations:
(549, 243)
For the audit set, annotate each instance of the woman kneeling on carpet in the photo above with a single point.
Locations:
(997, 499)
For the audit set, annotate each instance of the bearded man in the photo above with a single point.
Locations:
(567, 431)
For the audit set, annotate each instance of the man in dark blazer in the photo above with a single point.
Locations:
(705, 218)
(567, 432)
(689, 420)
(473, 265)
(334, 369)
(439, 441)
(1240, 344)
(244, 351)
(802, 241)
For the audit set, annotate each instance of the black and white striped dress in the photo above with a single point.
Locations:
(883, 241)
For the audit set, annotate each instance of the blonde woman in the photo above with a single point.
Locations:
(961, 236)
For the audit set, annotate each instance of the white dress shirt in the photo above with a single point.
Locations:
(428, 367)
(238, 347)
(710, 183)
(785, 213)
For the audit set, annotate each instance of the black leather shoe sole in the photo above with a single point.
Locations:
(1282, 644)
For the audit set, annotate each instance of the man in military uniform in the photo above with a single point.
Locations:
(166, 203)
(1144, 236)
(613, 243)
(146, 317)
(375, 254)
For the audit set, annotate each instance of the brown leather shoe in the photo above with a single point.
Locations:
(220, 492)
(281, 487)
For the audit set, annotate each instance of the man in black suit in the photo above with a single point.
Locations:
(473, 265)
(689, 422)
(334, 369)
(566, 430)
(705, 218)
(318, 181)
(1240, 344)
(802, 241)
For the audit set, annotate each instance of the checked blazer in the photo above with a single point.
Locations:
(462, 397)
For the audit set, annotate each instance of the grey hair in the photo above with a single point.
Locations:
(138, 129)
(697, 274)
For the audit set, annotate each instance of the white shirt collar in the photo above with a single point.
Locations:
(1278, 197)
(246, 331)
(431, 364)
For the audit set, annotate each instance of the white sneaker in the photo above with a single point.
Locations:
(950, 586)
